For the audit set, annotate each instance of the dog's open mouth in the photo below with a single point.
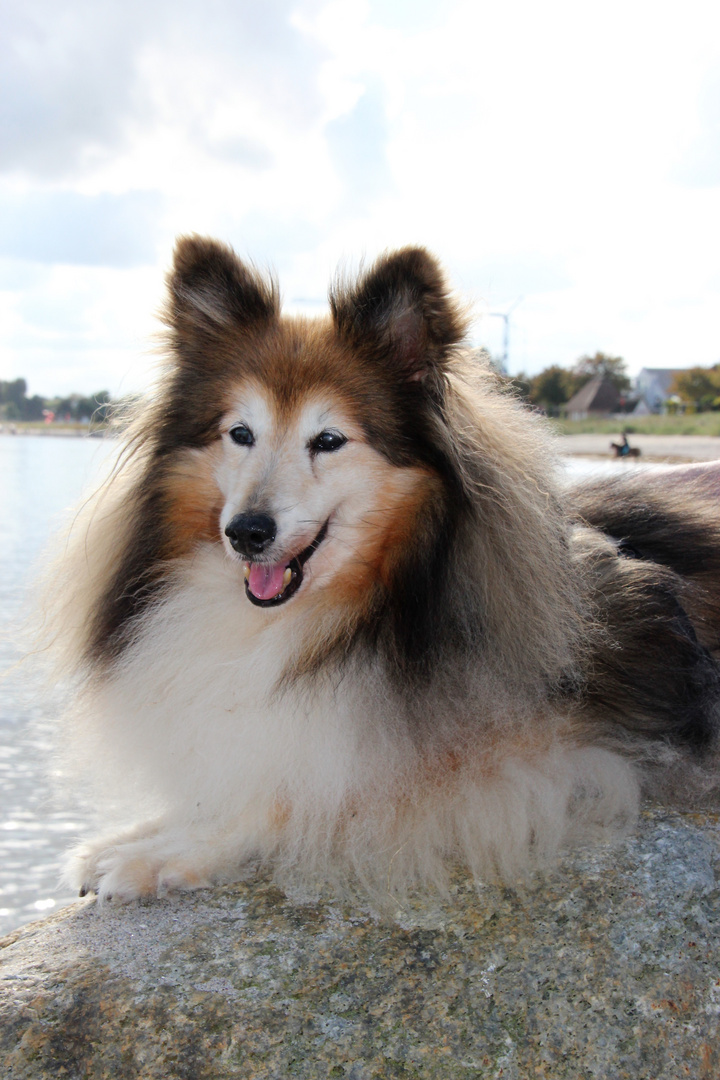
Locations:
(270, 584)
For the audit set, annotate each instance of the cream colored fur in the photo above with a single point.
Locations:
(325, 785)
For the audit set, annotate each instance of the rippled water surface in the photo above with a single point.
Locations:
(40, 477)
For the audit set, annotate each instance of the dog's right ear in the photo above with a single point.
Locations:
(211, 291)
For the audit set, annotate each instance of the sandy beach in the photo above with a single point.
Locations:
(652, 447)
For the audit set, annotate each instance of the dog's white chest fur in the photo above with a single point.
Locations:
(227, 767)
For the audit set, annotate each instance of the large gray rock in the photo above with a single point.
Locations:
(608, 969)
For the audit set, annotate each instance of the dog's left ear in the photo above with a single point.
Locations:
(401, 311)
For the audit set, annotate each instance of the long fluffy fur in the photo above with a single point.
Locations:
(476, 667)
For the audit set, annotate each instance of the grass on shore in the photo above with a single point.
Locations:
(707, 423)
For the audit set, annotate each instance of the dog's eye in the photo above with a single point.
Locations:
(242, 435)
(326, 442)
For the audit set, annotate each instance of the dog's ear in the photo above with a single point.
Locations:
(211, 291)
(402, 312)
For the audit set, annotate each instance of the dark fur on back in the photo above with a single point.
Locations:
(655, 566)
(671, 519)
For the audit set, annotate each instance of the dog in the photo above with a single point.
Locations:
(335, 614)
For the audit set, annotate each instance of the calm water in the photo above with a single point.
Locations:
(39, 478)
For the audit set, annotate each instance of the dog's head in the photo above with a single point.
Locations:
(323, 432)
(358, 470)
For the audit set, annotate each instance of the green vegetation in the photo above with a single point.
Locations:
(16, 406)
(693, 404)
(698, 387)
(706, 423)
(553, 387)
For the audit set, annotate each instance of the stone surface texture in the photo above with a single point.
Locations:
(608, 969)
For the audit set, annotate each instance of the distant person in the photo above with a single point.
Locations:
(623, 448)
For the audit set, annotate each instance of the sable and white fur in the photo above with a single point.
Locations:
(475, 668)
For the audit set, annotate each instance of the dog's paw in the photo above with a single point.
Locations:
(132, 865)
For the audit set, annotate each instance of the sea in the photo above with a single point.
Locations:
(42, 479)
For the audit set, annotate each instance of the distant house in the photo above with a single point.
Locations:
(641, 408)
(596, 398)
(652, 389)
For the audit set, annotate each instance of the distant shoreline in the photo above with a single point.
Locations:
(81, 431)
(652, 447)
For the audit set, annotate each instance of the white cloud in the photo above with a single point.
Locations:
(75, 328)
(92, 230)
(700, 167)
(561, 153)
(80, 79)
(357, 143)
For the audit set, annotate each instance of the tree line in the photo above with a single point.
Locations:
(695, 388)
(553, 387)
(698, 387)
(16, 405)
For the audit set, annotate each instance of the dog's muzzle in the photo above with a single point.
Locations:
(267, 584)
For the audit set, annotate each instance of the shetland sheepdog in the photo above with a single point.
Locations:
(334, 614)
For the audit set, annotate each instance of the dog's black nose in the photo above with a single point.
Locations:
(250, 534)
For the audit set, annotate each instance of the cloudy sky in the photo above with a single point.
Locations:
(560, 157)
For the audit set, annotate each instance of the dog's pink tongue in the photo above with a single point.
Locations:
(265, 582)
